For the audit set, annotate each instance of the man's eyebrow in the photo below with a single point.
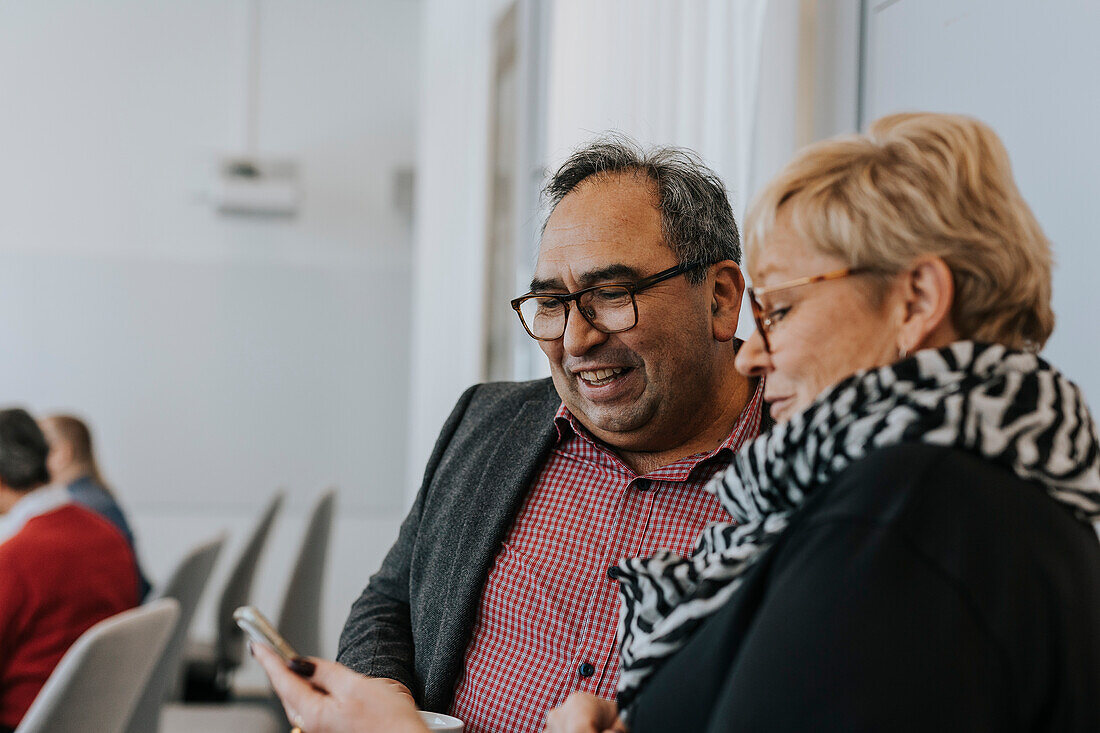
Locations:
(617, 272)
(540, 285)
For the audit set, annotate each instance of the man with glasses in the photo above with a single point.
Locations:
(495, 603)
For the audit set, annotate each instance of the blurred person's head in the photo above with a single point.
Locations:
(620, 215)
(23, 451)
(926, 240)
(72, 453)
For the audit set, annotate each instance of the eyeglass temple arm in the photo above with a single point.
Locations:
(834, 275)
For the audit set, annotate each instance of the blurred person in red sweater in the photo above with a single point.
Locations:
(63, 568)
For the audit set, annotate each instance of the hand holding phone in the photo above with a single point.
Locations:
(260, 630)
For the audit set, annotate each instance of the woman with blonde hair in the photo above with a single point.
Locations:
(912, 545)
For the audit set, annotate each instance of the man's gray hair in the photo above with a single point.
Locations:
(696, 216)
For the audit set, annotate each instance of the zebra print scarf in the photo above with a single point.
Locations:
(1010, 407)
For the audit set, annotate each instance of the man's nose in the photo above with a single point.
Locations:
(752, 359)
(580, 337)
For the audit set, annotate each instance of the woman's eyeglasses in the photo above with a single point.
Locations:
(765, 321)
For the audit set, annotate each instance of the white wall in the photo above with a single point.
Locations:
(1030, 71)
(834, 72)
(217, 358)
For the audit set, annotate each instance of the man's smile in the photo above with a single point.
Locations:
(600, 376)
(607, 383)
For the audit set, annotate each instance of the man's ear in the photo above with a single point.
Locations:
(928, 294)
(725, 304)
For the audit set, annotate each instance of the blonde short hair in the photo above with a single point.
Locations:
(923, 184)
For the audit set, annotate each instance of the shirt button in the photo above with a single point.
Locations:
(642, 484)
(586, 669)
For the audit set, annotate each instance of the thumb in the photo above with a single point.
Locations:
(296, 693)
(325, 675)
(618, 727)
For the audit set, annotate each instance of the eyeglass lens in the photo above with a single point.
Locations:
(758, 316)
(609, 309)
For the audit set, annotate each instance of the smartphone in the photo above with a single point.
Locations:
(260, 630)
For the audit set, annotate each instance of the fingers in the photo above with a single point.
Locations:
(583, 713)
(342, 682)
(403, 690)
(330, 676)
(618, 727)
(566, 719)
(335, 698)
(302, 667)
(297, 694)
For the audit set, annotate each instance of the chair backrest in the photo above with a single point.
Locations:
(238, 589)
(185, 584)
(97, 683)
(300, 617)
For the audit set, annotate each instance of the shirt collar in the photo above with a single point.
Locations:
(566, 424)
(35, 503)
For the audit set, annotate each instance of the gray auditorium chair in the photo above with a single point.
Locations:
(299, 621)
(97, 683)
(300, 617)
(209, 667)
(185, 584)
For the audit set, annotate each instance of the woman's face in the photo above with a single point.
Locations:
(820, 332)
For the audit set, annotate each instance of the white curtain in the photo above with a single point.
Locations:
(681, 73)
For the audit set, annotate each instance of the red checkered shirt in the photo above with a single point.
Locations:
(546, 623)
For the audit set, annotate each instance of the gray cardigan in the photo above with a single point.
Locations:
(413, 621)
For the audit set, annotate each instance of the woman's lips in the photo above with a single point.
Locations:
(778, 404)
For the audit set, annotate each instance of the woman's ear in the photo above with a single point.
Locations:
(725, 304)
(928, 294)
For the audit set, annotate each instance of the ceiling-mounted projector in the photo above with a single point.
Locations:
(261, 187)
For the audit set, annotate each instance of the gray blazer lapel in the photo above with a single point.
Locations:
(508, 473)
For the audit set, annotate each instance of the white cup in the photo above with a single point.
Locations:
(438, 721)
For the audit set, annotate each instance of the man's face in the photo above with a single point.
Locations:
(642, 389)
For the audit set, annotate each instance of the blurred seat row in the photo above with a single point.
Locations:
(137, 672)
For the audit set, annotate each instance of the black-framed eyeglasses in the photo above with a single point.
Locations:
(609, 308)
(765, 321)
